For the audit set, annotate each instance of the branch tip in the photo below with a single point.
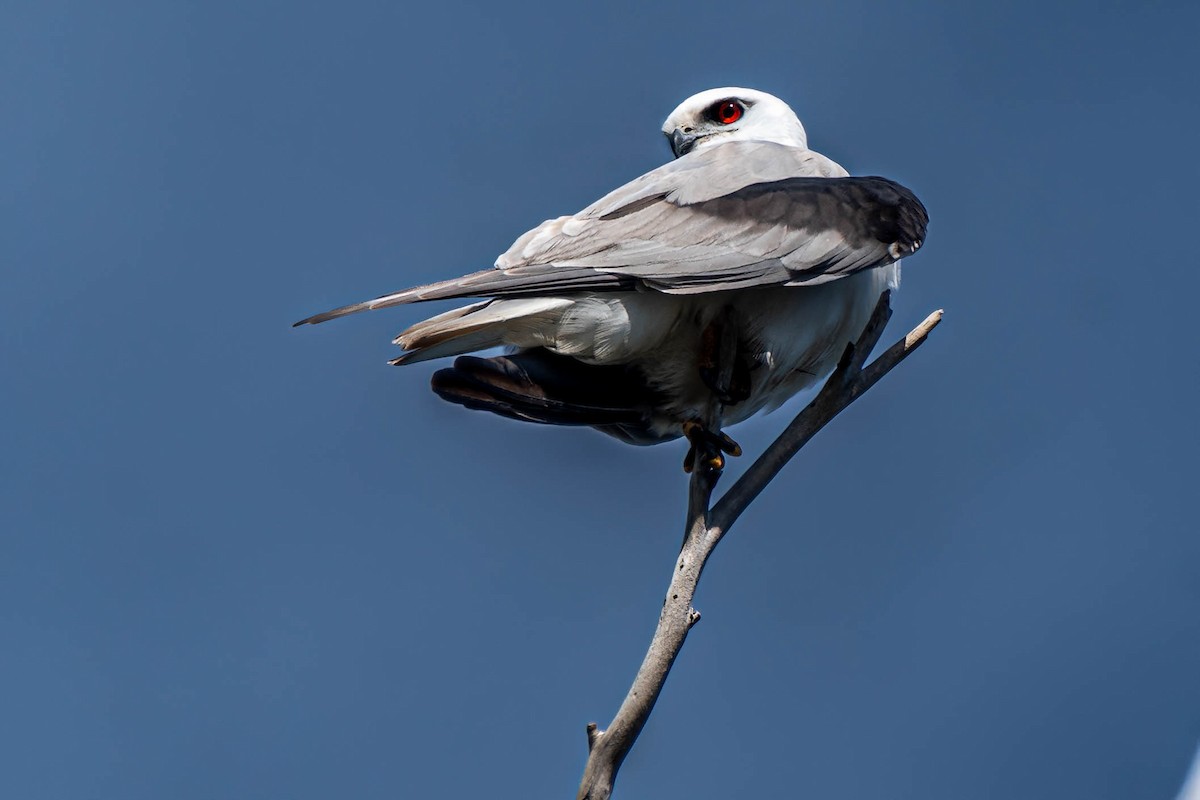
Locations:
(593, 734)
(922, 330)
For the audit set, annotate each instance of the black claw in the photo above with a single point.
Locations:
(728, 445)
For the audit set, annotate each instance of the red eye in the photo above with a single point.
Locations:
(727, 112)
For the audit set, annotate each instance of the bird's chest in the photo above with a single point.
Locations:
(781, 340)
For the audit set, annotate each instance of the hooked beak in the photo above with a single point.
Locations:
(681, 143)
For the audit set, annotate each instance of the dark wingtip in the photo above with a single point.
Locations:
(325, 316)
(314, 319)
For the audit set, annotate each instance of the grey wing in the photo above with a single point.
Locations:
(735, 215)
(794, 231)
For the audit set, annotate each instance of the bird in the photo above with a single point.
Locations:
(711, 288)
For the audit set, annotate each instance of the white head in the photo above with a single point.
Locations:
(732, 114)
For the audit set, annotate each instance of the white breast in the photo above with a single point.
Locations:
(806, 330)
(802, 332)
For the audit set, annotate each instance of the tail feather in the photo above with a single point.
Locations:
(539, 386)
(528, 281)
(492, 323)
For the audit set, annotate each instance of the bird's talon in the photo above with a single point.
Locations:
(728, 445)
(706, 447)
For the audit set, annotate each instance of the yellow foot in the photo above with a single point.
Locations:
(707, 447)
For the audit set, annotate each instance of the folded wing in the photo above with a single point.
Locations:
(730, 216)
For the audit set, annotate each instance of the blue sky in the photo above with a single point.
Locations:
(241, 560)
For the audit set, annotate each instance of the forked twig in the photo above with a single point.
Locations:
(707, 525)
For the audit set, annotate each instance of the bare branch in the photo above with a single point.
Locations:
(898, 352)
(870, 335)
(607, 749)
(704, 529)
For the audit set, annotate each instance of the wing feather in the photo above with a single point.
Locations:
(742, 213)
(732, 215)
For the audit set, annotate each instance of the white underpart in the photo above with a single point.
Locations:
(803, 331)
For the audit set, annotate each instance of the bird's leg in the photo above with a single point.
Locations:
(707, 447)
(728, 377)
(722, 368)
(718, 355)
